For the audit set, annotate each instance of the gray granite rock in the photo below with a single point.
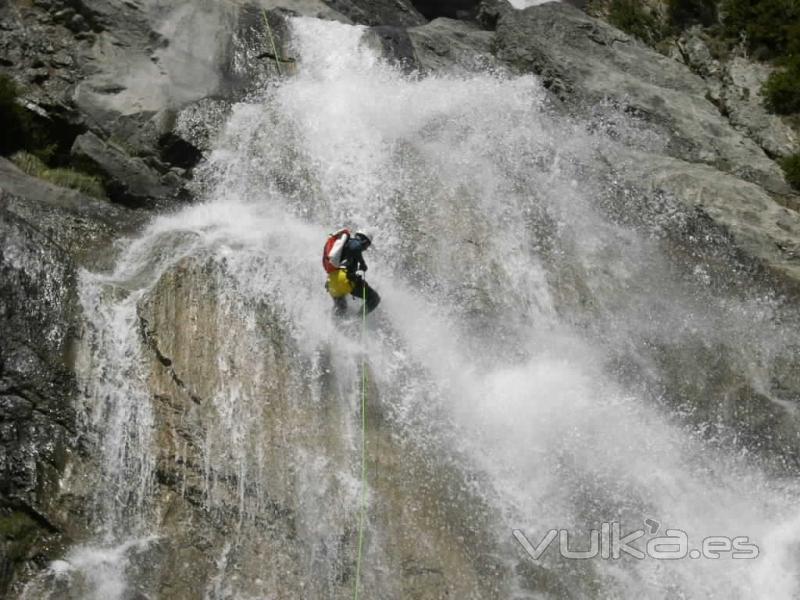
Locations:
(128, 180)
(585, 61)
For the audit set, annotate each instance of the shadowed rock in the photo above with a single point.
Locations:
(378, 12)
(128, 180)
(453, 9)
(445, 45)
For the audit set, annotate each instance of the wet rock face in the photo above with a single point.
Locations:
(705, 162)
(441, 45)
(144, 144)
(183, 325)
(712, 164)
(287, 424)
(37, 316)
(45, 232)
(445, 44)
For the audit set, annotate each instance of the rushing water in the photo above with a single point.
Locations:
(535, 339)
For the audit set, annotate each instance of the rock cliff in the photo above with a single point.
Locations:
(137, 91)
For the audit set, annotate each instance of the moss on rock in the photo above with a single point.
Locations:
(64, 177)
(791, 168)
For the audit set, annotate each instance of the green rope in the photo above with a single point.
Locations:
(272, 41)
(363, 515)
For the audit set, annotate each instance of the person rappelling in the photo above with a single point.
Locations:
(344, 263)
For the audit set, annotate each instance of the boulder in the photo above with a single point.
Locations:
(84, 227)
(692, 50)
(394, 43)
(400, 13)
(154, 138)
(128, 180)
(490, 11)
(446, 45)
(199, 123)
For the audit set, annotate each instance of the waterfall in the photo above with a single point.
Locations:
(523, 364)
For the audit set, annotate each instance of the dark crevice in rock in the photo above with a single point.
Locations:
(720, 105)
(770, 155)
(108, 90)
(150, 342)
(452, 9)
(78, 17)
(161, 358)
(275, 512)
(39, 406)
(490, 11)
(271, 56)
(412, 568)
(41, 521)
(177, 151)
(396, 46)
(57, 127)
(179, 382)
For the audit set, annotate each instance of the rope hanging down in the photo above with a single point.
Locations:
(272, 41)
(362, 517)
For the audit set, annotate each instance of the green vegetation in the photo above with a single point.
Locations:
(769, 28)
(782, 89)
(16, 526)
(685, 13)
(14, 120)
(791, 168)
(70, 178)
(633, 18)
(32, 147)
(18, 532)
(20, 130)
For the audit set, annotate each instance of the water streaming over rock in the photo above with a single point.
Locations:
(542, 348)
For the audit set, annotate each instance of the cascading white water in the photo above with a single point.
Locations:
(511, 300)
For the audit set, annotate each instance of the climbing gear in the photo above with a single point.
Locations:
(332, 253)
(339, 284)
(363, 516)
(363, 237)
(370, 296)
